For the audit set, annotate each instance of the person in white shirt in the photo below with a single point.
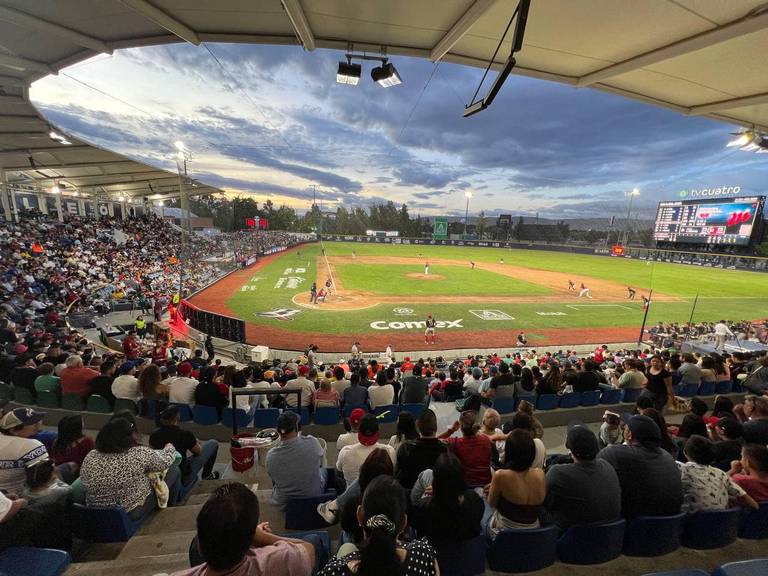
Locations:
(352, 457)
(127, 385)
(381, 393)
(721, 334)
(307, 388)
(18, 453)
(182, 387)
(340, 383)
(350, 438)
(389, 353)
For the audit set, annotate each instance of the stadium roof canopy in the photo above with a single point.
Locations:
(697, 57)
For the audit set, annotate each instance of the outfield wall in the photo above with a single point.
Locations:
(704, 259)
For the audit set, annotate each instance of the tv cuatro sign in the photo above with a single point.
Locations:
(415, 325)
(708, 192)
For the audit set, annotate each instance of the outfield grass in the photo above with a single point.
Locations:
(393, 280)
(723, 293)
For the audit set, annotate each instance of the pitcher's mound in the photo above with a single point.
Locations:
(420, 276)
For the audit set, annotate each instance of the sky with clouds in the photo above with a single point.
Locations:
(271, 121)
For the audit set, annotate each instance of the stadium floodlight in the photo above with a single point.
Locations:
(55, 189)
(179, 145)
(348, 73)
(468, 194)
(56, 137)
(386, 75)
(121, 198)
(635, 192)
(750, 141)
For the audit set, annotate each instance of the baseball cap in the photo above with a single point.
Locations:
(732, 428)
(643, 429)
(287, 422)
(303, 370)
(368, 434)
(356, 416)
(20, 349)
(582, 442)
(184, 369)
(21, 417)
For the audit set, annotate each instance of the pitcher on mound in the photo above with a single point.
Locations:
(429, 332)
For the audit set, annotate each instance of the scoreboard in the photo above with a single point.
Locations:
(726, 221)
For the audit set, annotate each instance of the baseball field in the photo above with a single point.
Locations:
(380, 294)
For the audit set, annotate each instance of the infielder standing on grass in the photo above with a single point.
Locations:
(429, 332)
(584, 291)
(426, 268)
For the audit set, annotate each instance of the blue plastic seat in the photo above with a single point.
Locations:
(707, 529)
(547, 401)
(610, 396)
(590, 398)
(390, 411)
(757, 567)
(96, 403)
(523, 550)
(303, 414)
(72, 401)
(22, 395)
(123, 404)
(228, 414)
(504, 404)
(327, 416)
(753, 524)
(47, 399)
(185, 411)
(653, 535)
(151, 408)
(591, 543)
(301, 513)
(461, 557)
(707, 388)
(415, 408)
(102, 524)
(688, 390)
(724, 387)
(23, 561)
(205, 415)
(265, 417)
(571, 400)
(630, 395)
(349, 407)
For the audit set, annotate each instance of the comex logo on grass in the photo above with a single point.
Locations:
(384, 325)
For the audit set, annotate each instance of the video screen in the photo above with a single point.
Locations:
(727, 221)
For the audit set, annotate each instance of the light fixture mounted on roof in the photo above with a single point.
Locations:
(385, 75)
(521, 13)
(750, 141)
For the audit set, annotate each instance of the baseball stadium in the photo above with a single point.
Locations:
(383, 287)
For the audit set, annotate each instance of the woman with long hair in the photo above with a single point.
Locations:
(667, 443)
(406, 430)
(382, 516)
(449, 511)
(150, 384)
(71, 445)
(526, 386)
(552, 381)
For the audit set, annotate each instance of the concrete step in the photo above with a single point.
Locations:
(170, 520)
(151, 546)
(147, 566)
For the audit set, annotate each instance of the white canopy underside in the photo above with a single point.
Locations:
(698, 57)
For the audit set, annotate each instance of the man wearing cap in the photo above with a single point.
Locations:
(296, 464)
(352, 457)
(350, 438)
(17, 451)
(649, 477)
(586, 491)
(182, 386)
(203, 456)
(126, 385)
(306, 386)
(76, 378)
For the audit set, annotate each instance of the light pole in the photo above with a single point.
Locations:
(468, 194)
(635, 192)
(183, 155)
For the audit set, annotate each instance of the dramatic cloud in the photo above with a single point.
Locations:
(271, 121)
